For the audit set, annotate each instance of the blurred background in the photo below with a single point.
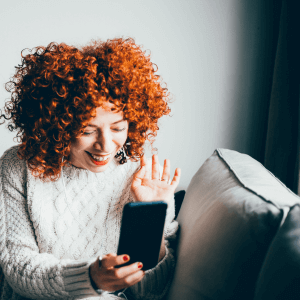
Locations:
(216, 58)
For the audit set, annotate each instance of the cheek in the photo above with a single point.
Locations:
(122, 138)
(78, 145)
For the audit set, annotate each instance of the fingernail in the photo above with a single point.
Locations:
(125, 258)
(140, 265)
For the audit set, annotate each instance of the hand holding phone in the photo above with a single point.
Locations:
(105, 278)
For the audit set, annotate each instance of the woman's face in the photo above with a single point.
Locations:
(100, 141)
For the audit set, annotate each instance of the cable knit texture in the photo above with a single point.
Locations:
(49, 235)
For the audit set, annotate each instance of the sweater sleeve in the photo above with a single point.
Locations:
(29, 273)
(156, 281)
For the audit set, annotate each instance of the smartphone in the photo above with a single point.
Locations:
(142, 231)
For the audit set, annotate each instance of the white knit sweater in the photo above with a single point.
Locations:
(49, 235)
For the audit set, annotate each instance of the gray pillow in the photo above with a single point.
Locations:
(231, 212)
(279, 276)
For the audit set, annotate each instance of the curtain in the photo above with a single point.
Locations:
(283, 127)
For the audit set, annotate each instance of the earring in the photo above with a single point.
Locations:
(121, 156)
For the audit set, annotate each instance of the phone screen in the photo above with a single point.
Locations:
(141, 232)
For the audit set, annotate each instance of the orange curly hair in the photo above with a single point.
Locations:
(56, 90)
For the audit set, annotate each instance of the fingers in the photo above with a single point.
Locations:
(143, 161)
(155, 167)
(128, 280)
(166, 171)
(142, 173)
(120, 273)
(111, 260)
(176, 178)
(113, 279)
(145, 166)
(131, 279)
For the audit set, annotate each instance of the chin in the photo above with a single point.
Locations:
(97, 167)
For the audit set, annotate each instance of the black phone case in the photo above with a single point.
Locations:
(141, 232)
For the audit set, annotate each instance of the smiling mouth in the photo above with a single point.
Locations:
(99, 160)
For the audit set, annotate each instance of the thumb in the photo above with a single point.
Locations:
(141, 174)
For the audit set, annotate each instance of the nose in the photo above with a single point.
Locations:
(104, 142)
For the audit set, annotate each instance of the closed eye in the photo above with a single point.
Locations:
(88, 132)
(119, 129)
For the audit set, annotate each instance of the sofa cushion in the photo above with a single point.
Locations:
(279, 277)
(231, 212)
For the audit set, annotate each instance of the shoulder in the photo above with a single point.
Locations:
(12, 168)
(10, 159)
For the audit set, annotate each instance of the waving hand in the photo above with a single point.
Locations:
(147, 187)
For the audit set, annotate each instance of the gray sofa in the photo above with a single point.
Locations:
(239, 234)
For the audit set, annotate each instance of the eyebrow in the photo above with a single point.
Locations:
(91, 125)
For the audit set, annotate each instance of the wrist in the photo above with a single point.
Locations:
(162, 251)
(92, 273)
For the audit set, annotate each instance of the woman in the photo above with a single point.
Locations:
(82, 117)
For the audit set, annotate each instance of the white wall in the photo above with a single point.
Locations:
(213, 55)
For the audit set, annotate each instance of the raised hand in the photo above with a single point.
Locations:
(108, 278)
(145, 187)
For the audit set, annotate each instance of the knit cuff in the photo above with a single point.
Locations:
(77, 280)
(156, 281)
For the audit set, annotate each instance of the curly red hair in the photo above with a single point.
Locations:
(56, 90)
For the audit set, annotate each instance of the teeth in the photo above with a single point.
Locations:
(99, 158)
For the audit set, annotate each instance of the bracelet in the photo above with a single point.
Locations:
(101, 292)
